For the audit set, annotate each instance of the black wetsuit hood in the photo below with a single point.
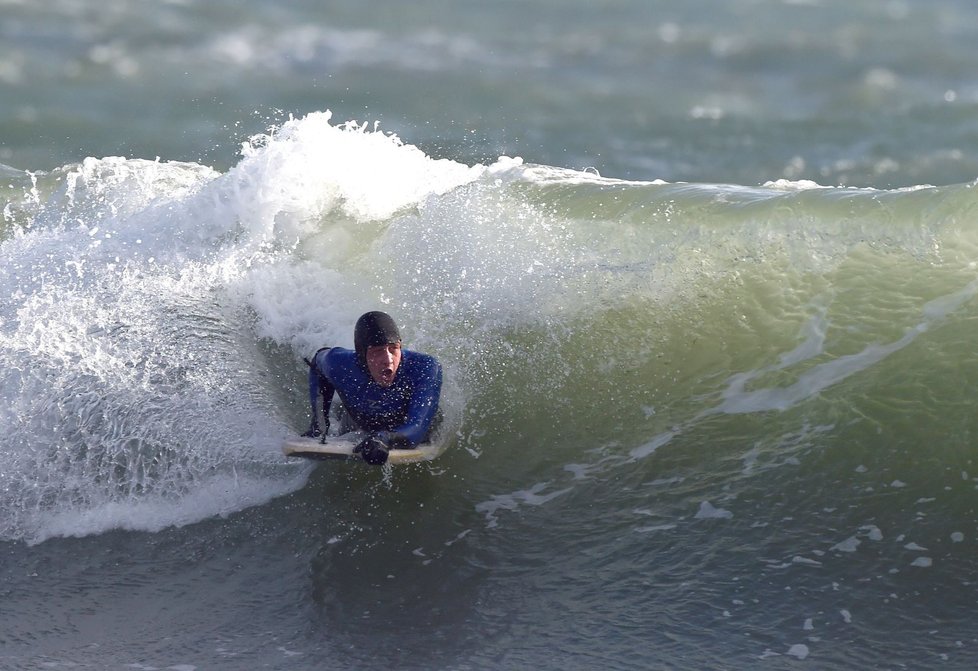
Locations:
(373, 328)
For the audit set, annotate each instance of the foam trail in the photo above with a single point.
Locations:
(737, 400)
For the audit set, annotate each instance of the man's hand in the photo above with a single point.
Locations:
(313, 431)
(373, 450)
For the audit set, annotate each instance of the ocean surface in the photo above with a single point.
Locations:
(702, 276)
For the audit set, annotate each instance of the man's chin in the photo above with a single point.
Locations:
(385, 379)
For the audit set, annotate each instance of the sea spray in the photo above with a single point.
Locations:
(141, 292)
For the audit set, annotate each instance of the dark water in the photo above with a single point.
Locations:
(701, 412)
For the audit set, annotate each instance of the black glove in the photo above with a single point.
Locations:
(373, 450)
(313, 431)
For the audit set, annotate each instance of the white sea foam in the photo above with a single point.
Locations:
(512, 501)
(798, 651)
(708, 511)
(137, 397)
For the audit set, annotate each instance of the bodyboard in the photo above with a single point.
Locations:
(341, 447)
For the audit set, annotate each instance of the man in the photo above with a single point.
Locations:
(389, 392)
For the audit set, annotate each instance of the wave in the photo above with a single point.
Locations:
(150, 353)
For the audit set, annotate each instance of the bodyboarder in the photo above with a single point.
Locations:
(388, 392)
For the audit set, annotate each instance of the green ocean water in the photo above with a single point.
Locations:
(702, 279)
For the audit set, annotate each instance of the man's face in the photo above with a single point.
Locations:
(383, 362)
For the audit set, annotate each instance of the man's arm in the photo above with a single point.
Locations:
(422, 408)
(318, 383)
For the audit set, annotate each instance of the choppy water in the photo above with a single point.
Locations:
(702, 277)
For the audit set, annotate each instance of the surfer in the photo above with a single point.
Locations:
(389, 392)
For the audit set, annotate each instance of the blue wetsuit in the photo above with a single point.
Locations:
(400, 414)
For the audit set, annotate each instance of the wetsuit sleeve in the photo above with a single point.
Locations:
(424, 403)
(320, 384)
(313, 386)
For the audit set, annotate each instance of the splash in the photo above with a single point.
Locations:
(135, 380)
